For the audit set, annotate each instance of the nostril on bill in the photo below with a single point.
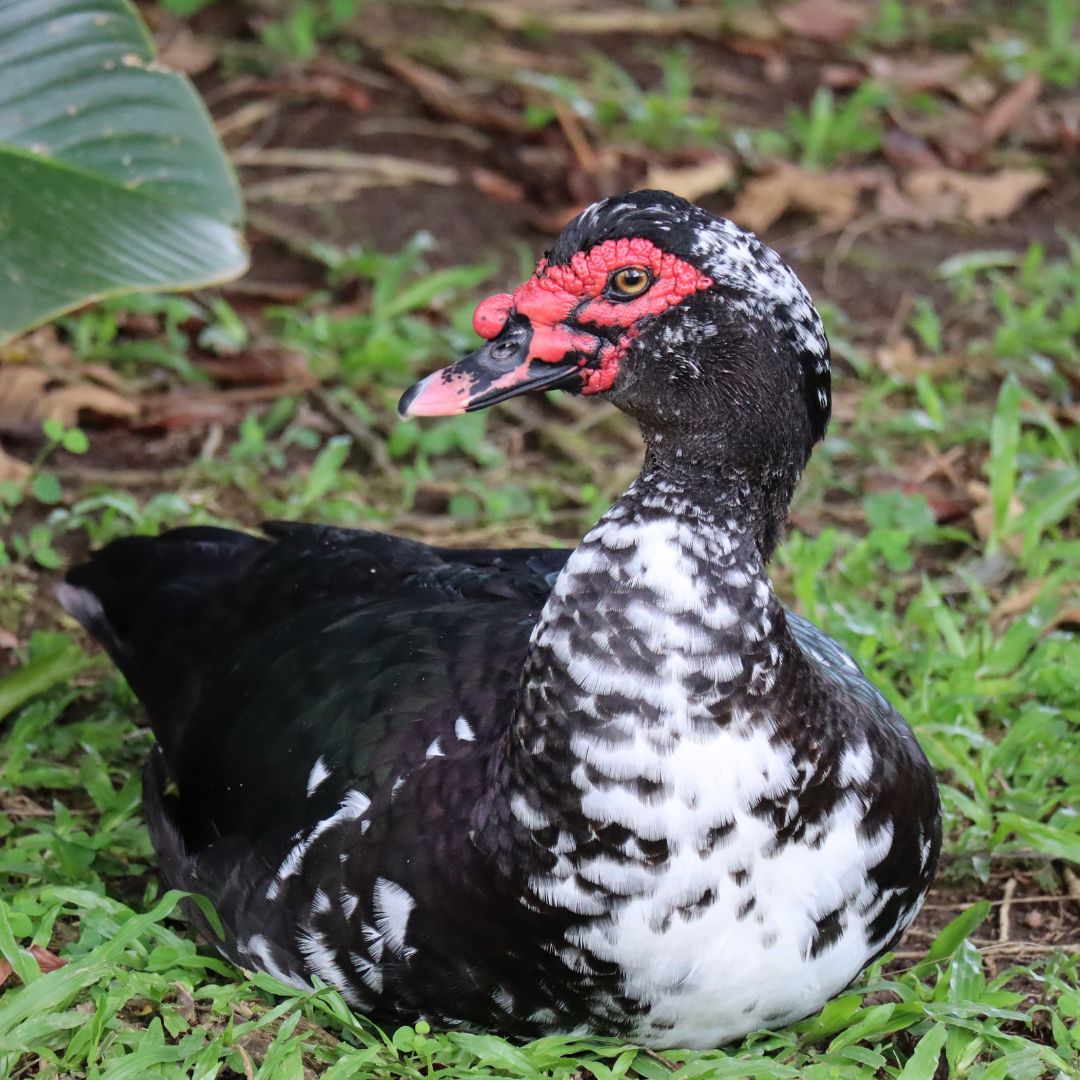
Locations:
(491, 314)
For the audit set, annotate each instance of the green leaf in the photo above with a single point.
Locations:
(41, 673)
(1052, 841)
(945, 944)
(113, 177)
(75, 441)
(1004, 444)
(22, 963)
(922, 1065)
(326, 468)
(46, 488)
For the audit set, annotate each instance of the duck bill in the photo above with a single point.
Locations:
(500, 369)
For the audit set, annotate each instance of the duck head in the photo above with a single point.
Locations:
(683, 320)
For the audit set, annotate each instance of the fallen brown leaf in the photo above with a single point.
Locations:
(30, 395)
(12, 468)
(1010, 108)
(964, 143)
(692, 181)
(904, 150)
(949, 194)
(46, 960)
(827, 21)
(1017, 602)
(183, 51)
(1067, 616)
(831, 197)
(202, 408)
(982, 516)
(180, 409)
(497, 186)
(444, 96)
(901, 360)
(937, 72)
(266, 365)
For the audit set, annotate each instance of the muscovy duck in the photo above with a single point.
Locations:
(621, 790)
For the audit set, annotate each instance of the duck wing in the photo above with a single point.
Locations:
(279, 672)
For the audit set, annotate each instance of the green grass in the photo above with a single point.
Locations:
(993, 697)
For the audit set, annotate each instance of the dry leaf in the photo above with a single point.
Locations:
(831, 197)
(266, 365)
(904, 150)
(1067, 616)
(827, 21)
(982, 517)
(46, 961)
(692, 181)
(1010, 108)
(948, 194)
(938, 72)
(185, 52)
(12, 468)
(1016, 603)
(976, 91)
(497, 186)
(30, 395)
(901, 361)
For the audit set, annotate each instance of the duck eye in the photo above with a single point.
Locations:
(629, 282)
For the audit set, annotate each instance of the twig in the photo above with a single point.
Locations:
(335, 186)
(444, 95)
(1002, 948)
(1006, 910)
(705, 20)
(996, 903)
(1072, 883)
(246, 116)
(91, 474)
(295, 241)
(575, 136)
(347, 161)
(355, 427)
(249, 1065)
(424, 128)
(660, 1057)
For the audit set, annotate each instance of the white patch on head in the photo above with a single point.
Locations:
(463, 730)
(737, 258)
(319, 772)
(392, 906)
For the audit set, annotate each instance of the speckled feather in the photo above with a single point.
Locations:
(620, 790)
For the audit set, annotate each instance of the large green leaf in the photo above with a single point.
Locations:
(111, 176)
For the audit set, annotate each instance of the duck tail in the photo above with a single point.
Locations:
(138, 594)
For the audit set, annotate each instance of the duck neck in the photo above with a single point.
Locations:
(662, 626)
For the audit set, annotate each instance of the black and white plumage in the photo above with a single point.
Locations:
(620, 790)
